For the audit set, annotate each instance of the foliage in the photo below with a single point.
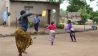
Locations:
(85, 10)
(40, 25)
(60, 26)
(43, 25)
(82, 21)
(94, 17)
(95, 20)
(30, 24)
(62, 12)
(75, 5)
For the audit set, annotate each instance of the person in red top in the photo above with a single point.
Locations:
(51, 28)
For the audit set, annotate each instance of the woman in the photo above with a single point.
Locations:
(23, 40)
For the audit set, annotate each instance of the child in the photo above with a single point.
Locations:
(36, 22)
(71, 31)
(52, 28)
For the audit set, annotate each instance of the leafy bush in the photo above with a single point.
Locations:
(82, 21)
(30, 24)
(60, 26)
(43, 25)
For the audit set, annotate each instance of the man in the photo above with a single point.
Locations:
(23, 20)
(36, 22)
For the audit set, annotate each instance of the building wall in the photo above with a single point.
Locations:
(16, 7)
(40, 0)
(2, 8)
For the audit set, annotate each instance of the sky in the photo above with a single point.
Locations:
(92, 4)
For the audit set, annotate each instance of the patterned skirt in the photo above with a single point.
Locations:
(23, 40)
(52, 35)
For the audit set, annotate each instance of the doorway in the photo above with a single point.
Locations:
(49, 16)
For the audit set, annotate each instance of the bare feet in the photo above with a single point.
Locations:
(25, 52)
(20, 54)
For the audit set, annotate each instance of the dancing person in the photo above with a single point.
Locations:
(71, 31)
(51, 28)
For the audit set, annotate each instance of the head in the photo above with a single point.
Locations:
(69, 21)
(37, 15)
(52, 23)
(22, 12)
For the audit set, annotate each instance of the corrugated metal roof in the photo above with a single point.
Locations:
(49, 1)
(54, 3)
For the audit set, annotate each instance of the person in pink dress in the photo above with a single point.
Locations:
(51, 28)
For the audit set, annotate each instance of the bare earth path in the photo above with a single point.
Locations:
(86, 45)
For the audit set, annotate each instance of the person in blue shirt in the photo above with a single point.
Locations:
(23, 20)
(36, 22)
(5, 16)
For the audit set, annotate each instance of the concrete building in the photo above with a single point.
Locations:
(33, 6)
(2, 8)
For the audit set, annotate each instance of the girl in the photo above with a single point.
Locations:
(71, 31)
(52, 28)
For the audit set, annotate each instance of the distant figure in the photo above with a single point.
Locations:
(52, 28)
(36, 22)
(94, 26)
(71, 31)
(5, 16)
(23, 20)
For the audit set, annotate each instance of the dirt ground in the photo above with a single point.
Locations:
(86, 45)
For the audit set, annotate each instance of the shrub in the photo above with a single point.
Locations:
(60, 26)
(43, 25)
(30, 24)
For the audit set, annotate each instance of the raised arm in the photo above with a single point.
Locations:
(27, 14)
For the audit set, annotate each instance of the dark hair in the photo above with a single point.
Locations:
(69, 21)
(52, 22)
(22, 12)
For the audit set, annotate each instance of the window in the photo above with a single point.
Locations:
(28, 9)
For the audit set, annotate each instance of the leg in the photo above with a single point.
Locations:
(50, 38)
(52, 43)
(74, 37)
(71, 36)
(37, 27)
(24, 28)
(20, 52)
(53, 38)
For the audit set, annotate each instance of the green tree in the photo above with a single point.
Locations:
(75, 5)
(94, 17)
(62, 12)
